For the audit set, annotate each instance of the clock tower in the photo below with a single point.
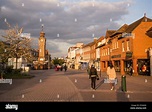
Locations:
(42, 47)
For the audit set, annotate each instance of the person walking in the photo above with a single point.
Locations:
(65, 67)
(93, 76)
(131, 70)
(112, 75)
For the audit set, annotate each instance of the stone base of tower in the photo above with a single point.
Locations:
(40, 66)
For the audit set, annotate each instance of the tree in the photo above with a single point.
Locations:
(58, 61)
(3, 55)
(17, 45)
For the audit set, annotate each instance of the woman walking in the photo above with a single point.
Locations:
(112, 75)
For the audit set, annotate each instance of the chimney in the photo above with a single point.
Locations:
(145, 17)
(95, 39)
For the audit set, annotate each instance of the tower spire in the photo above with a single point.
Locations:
(42, 34)
(42, 26)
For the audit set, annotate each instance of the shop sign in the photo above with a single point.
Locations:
(116, 56)
(98, 59)
(128, 54)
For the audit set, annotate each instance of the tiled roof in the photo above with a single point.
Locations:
(109, 32)
(132, 26)
(120, 30)
(89, 44)
(101, 38)
(100, 46)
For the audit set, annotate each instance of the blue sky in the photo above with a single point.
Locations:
(137, 10)
(67, 22)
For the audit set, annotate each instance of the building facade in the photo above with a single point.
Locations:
(129, 46)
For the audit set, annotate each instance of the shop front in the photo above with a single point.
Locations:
(117, 65)
(116, 62)
(127, 64)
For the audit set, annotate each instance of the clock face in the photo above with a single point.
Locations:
(41, 59)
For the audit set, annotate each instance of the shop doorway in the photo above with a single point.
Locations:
(117, 65)
(127, 64)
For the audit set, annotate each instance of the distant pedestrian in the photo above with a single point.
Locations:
(61, 67)
(112, 75)
(130, 70)
(56, 69)
(65, 67)
(93, 76)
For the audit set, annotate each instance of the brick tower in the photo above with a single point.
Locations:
(42, 49)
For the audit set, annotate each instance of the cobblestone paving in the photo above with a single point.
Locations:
(74, 86)
(56, 87)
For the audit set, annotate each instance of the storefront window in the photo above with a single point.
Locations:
(143, 67)
(127, 64)
(117, 65)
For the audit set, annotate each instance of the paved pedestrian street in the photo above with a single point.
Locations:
(74, 86)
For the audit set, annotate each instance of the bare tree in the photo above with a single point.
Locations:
(2, 53)
(17, 46)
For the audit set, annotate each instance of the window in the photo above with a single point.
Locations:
(128, 45)
(123, 49)
(117, 45)
(108, 51)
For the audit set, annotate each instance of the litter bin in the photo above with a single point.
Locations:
(123, 83)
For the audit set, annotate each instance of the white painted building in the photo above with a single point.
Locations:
(21, 63)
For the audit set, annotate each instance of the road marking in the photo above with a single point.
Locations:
(128, 96)
(58, 96)
(93, 96)
(23, 96)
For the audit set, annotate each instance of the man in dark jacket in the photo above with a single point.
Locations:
(65, 67)
(93, 76)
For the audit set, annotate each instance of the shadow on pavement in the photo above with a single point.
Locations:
(100, 83)
(122, 96)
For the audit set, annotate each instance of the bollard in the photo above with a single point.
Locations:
(123, 83)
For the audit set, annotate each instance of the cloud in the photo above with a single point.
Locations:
(65, 22)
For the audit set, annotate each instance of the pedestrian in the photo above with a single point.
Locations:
(56, 69)
(93, 76)
(112, 75)
(61, 67)
(131, 70)
(65, 68)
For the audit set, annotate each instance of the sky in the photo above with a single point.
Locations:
(67, 22)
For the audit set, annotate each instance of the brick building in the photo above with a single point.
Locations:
(128, 46)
